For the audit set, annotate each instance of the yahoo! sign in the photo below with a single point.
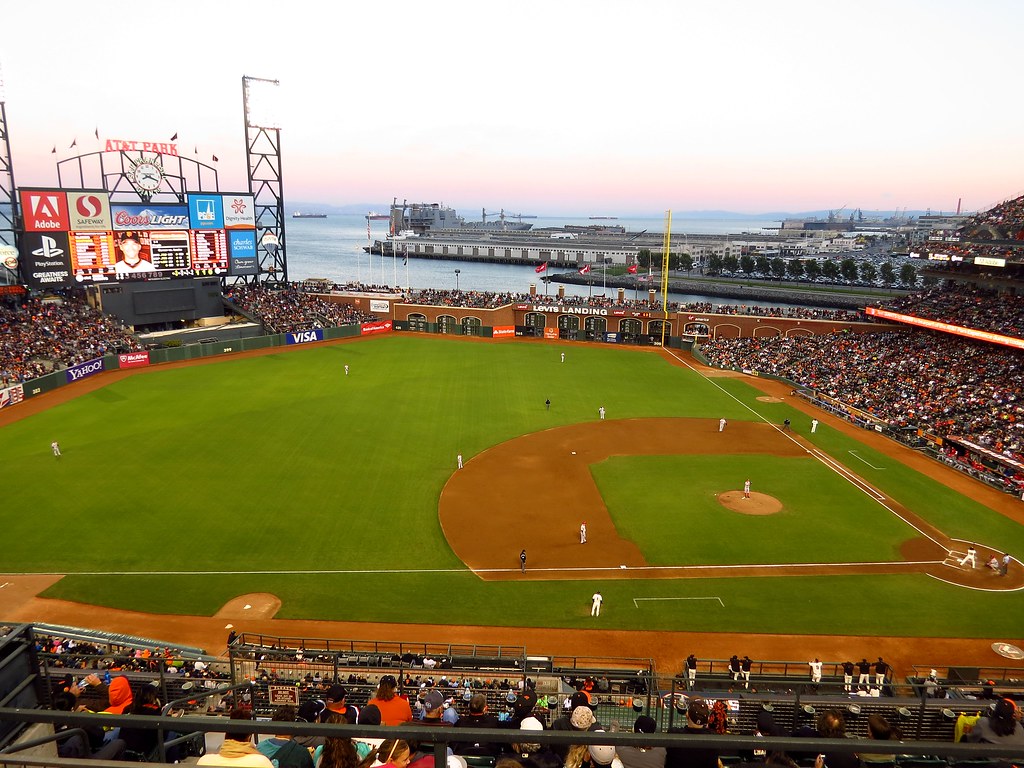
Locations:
(82, 370)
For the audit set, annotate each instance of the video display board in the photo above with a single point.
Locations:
(84, 237)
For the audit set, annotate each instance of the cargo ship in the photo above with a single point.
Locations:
(434, 217)
(298, 215)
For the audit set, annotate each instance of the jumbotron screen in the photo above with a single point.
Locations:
(83, 237)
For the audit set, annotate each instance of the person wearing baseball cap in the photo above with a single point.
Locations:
(433, 715)
(335, 701)
(642, 756)
(697, 715)
(479, 717)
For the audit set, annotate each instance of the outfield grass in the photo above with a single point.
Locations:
(282, 463)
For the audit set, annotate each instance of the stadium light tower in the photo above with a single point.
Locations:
(8, 201)
(263, 157)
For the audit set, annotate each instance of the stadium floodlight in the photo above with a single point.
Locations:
(261, 103)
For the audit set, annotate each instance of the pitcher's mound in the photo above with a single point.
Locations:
(757, 504)
(258, 605)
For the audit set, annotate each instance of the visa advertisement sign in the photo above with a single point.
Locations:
(305, 337)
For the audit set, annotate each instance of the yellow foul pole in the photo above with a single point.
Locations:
(664, 273)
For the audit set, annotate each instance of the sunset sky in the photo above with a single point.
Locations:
(549, 108)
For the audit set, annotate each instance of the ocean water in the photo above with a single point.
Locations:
(332, 248)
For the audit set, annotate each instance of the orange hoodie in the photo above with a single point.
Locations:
(120, 693)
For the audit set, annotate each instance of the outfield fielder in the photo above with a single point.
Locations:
(721, 425)
(460, 461)
(55, 447)
(600, 412)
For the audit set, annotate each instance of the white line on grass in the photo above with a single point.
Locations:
(976, 589)
(636, 599)
(575, 569)
(856, 456)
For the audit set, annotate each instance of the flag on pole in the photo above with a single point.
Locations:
(215, 159)
(74, 144)
(585, 269)
(632, 269)
(174, 137)
(97, 131)
(542, 268)
(54, 150)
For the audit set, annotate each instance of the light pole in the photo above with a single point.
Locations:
(457, 271)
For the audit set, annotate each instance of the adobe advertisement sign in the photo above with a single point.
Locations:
(44, 210)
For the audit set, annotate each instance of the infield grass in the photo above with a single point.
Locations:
(282, 463)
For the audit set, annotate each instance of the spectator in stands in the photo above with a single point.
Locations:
(697, 715)
(643, 756)
(581, 718)
(339, 751)
(601, 755)
(479, 717)
(1001, 725)
(368, 715)
(237, 749)
(832, 725)
(119, 693)
(336, 704)
(531, 755)
(282, 749)
(879, 729)
(142, 742)
(393, 753)
(433, 716)
(394, 709)
(91, 745)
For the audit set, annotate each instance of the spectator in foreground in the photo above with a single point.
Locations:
(393, 753)
(238, 751)
(338, 751)
(1001, 725)
(282, 749)
(697, 716)
(642, 757)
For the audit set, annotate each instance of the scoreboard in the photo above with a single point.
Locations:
(84, 237)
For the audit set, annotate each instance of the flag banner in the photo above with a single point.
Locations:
(632, 269)
(542, 268)
(585, 269)
(97, 132)
(175, 136)
(73, 144)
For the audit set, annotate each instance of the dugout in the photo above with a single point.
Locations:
(157, 305)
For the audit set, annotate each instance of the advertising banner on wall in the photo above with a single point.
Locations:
(242, 252)
(89, 212)
(503, 332)
(44, 259)
(133, 360)
(84, 370)
(44, 210)
(149, 216)
(304, 337)
(239, 211)
(381, 327)
(206, 211)
(12, 395)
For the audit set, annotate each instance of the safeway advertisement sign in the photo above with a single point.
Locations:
(133, 360)
(381, 327)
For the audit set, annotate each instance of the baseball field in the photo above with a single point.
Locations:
(183, 487)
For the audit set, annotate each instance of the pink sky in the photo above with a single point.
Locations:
(549, 108)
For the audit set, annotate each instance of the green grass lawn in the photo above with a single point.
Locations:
(281, 464)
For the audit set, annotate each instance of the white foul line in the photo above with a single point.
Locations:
(636, 599)
(854, 454)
